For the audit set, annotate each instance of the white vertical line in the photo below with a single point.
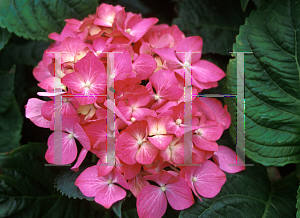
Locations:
(240, 146)
(110, 161)
(187, 110)
(57, 113)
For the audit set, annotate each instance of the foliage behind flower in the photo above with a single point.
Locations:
(149, 93)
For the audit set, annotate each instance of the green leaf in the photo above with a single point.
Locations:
(131, 213)
(4, 37)
(226, 140)
(29, 53)
(248, 194)
(129, 206)
(134, 6)
(216, 21)
(117, 208)
(258, 3)
(65, 183)
(26, 188)
(36, 19)
(244, 4)
(272, 95)
(11, 120)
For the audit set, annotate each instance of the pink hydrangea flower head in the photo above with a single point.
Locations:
(139, 106)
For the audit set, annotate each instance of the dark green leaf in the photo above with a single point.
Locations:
(4, 37)
(272, 91)
(258, 3)
(117, 208)
(11, 120)
(134, 6)
(244, 4)
(29, 53)
(132, 213)
(129, 206)
(65, 183)
(26, 188)
(216, 21)
(226, 140)
(248, 194)
(171, 213)
(36, 19)
(22, 89)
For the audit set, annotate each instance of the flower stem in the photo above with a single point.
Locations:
(174, 168)
(94, 158)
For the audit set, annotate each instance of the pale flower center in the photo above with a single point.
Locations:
(186, 64)
(65, 100)
(178, 121)
(140, 142)
(109, 181)
(112, 76)
(71, 135)
(132, 119)
(199, 132)
(194, 179)
(128, 30)
(156, 97)
(163, 188)
(87, 84)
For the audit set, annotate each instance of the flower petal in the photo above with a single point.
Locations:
(169, 55)
(205, 71)
(109, 194)
(179, 195)
(210, 179)
(204, 144)
(225, 156)
(136, 184)
(146, 153)
(127, 148)
(89, 182)
(141, 28)
(161, 141)
(144, 66)
(68, 146)
(190, 44)
(33, 112)
(151, 202)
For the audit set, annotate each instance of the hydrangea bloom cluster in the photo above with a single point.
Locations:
(149, 127)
